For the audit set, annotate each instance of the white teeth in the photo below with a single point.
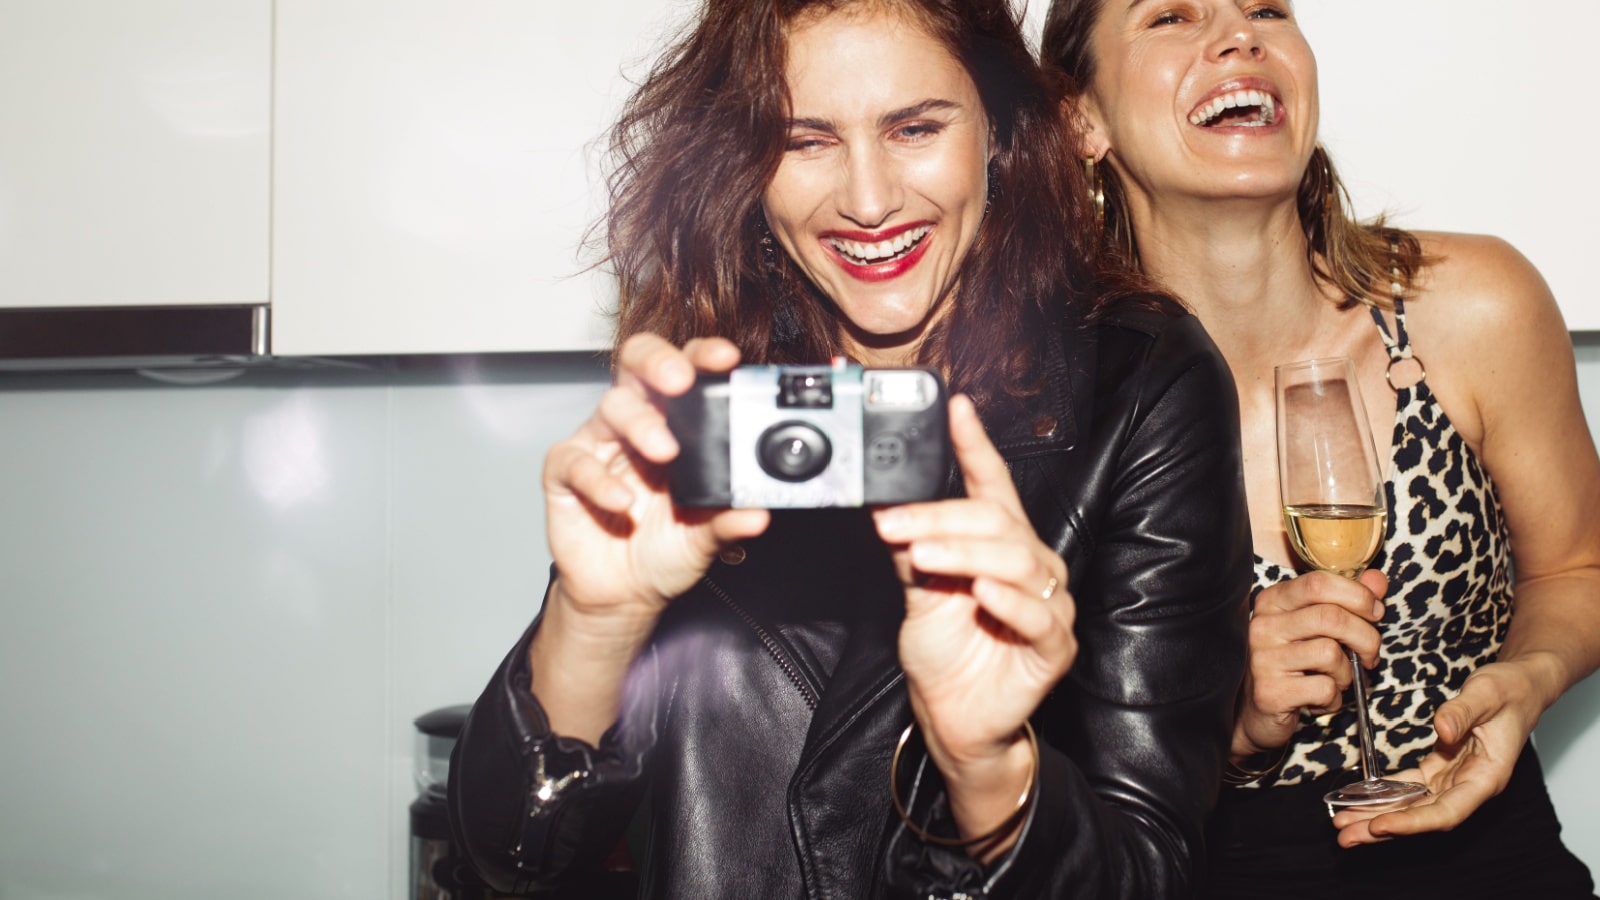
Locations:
(881, 250)
(1262, 100)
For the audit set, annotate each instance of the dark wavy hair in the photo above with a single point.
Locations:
(701, 138)
(1369, 262)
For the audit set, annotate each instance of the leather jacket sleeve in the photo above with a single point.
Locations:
(533, 810)
(1133, 741)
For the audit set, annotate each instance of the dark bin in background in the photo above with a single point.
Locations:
(437, 873)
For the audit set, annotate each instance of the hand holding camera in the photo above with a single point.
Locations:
(620, 546)
(988, 628)
(622, 550)
(636, 510)
(781, 436)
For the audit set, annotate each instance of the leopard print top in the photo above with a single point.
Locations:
(1447, 554)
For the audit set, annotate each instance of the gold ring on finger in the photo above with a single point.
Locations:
(1049, 589)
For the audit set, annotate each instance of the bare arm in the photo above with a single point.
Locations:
(1538, 448)
(972, 687)
(622, 550)
(1500, 360)
(535, 800)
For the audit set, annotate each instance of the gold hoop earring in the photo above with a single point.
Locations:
(1097, 191)
(991, 181)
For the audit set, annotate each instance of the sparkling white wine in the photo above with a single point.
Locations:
(1335, 537)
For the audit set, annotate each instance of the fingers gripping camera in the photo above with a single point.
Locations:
(785, 437)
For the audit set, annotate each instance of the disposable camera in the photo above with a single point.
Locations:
(787, 437)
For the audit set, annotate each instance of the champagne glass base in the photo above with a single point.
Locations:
(1374, 793)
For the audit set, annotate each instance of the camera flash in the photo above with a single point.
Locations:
(900, 388)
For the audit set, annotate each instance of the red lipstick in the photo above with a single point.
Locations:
(886, 270)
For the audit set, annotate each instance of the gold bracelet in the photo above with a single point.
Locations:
(1016, 815)
(1233, 773)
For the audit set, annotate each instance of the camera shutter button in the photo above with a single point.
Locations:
(732, 555)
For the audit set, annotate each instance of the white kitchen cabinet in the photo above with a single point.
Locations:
(134, 152)
(435, 169)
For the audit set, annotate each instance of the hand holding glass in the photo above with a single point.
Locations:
(1334, 510)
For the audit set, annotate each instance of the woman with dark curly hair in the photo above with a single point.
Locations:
(1201, 119)
(1046, 655)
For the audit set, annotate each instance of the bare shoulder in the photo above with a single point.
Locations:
(1499, 358)
(1481, 285)
(1487, 328)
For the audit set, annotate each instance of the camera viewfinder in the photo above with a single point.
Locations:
(805, 390)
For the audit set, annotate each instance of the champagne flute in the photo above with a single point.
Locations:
(1334, 510)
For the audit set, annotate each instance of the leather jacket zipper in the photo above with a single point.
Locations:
(768, 641)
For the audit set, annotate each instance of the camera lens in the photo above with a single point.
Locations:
(793, 451)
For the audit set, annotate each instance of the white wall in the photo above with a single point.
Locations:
(1468, 115)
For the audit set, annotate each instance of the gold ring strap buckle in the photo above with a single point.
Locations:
(1405, 372)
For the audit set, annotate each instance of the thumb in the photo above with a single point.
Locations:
(983, 469)
(1378, 584)
(1456, 718)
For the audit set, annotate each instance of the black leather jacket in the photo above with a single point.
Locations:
(761, 720)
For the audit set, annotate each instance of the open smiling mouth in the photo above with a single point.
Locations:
(1237, 109)
(874, 254)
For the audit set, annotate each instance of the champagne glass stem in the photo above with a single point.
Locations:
(1369, 756)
